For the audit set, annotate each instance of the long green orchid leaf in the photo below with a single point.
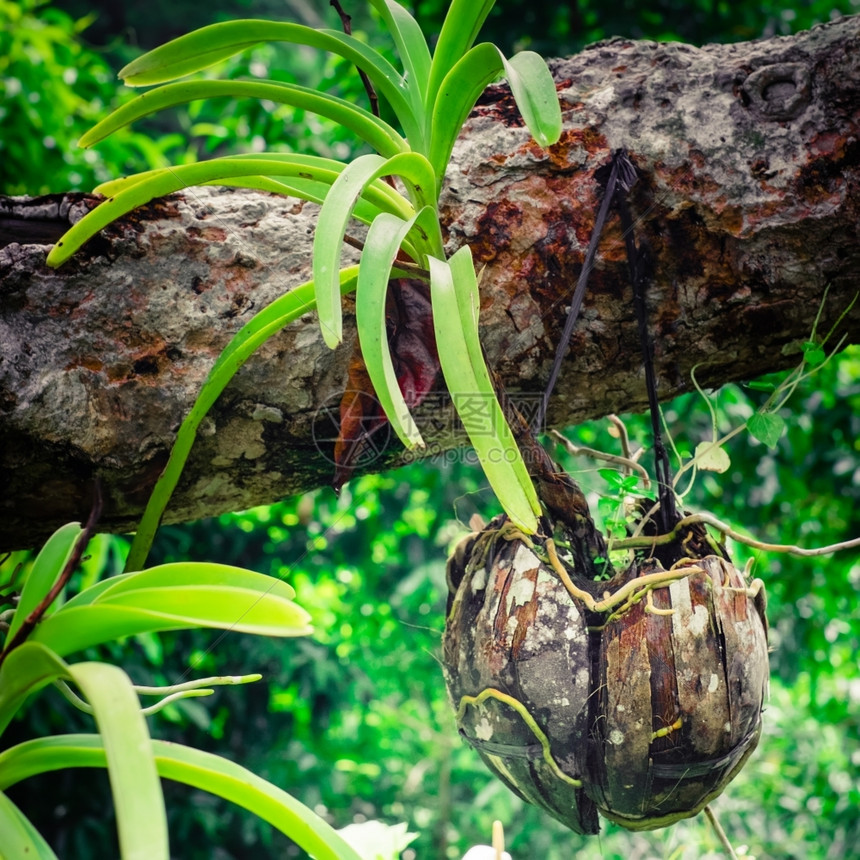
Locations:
(46, 569)
(21, 840)
(334, 216)
(296, 186)
(459, 31)
(534, 91)
(377, 196)
(26, 670)
(374, 131)
(192, 767)
(384, 240)
(531, 84)
(454, 294)
(412, 48)
(255, 332)
(182, 573)
(141, 818)
(167, 180)
(135, 784)
(205, 47)
(154, 610)
(456, 97)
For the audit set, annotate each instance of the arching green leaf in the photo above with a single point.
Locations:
(384, 239)
(334, 216)
(135, 784)
(46, 570)
(141, 818)
(151, 610)
(374, 131)
(182, 573)
(454, 292)
(196, 768)
(26, 670)
(532, 86)
(412, 48)
(208, 45)
(167, 180)
(296, 186)
(459, 31)
(255, 332)
(455, 98)
(534, 92)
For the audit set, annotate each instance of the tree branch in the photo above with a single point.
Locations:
(747, 207)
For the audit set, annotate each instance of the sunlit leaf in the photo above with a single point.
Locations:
(813, 353)
(148, 610)
(182, 573)
(613, 478)
(46, 569)
(192, 767)
(767, 427)
(375, 840)
(21, 840)
(373, 130)
(454, 292)
(712, 457)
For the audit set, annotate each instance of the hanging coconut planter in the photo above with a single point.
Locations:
(639, 697)
(634, 694)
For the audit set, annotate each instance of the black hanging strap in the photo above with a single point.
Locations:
(667, 516)
(622, 177)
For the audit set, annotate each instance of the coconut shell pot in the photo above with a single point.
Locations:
(639, 697)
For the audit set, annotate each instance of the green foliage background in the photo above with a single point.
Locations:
(355, 721)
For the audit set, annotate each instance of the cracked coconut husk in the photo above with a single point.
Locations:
(639, 697)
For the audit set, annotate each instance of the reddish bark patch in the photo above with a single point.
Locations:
(88, 362)
(156, 210)
(576, 140)
(688, 179)
(494, 228)
(498, 102)
(825, 175)
(207, 234)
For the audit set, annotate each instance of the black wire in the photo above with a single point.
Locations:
(668, 514)
(578, 293)
(622, 177)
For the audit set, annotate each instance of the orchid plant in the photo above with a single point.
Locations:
(430, 98)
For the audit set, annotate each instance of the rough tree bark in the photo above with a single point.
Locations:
(747, 204)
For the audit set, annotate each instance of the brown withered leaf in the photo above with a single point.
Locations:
(416, 366)
(362, 422)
